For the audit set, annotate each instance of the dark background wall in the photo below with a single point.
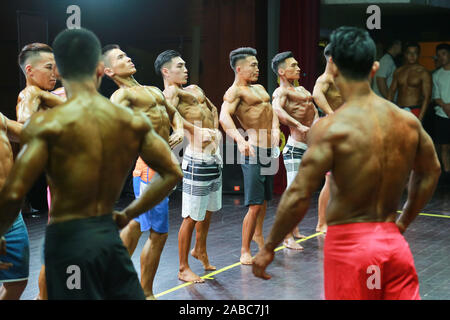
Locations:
(204, 32)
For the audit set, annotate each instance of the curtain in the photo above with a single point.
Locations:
(299, 33)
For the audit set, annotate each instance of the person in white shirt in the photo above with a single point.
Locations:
(384, 75)
(441, 98)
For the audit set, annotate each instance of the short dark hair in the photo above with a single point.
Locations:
(32, 50)
(163, 58)
(107, 49)
(280, 58)
(353, 51)
(77, 53)
(327, 51)
(412, 44)
(443, 46)
(239, 54)
(391, 42)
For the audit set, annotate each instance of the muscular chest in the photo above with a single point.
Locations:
(253, 96)
(410, 78)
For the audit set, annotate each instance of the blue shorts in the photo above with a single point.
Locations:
(17, 252)
(156, 218)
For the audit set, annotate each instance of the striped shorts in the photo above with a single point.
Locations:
(202, 185)
(292, 157)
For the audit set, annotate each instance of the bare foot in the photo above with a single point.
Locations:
(259, 241)
(297, 234)
(291, 244)
(321, 228)
(246, 258)
(203, 258)
(150, 297)
(189, 276)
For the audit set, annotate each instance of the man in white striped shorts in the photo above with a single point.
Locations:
(294, 109)
(202, 182)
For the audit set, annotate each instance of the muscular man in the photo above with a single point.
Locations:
(74, 144)
(250, 103)
(38, 64)
(371, 146)
(294, 108)
(149, 100)
(14, 266)
(327, 97)
(202, 181)
(413, 83)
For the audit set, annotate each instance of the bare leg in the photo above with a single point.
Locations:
(184, 243)
(150, 255)
(42, 295)
(130, 236)
(324, 197)
(199, 251)
(12, 290)
(290, 243)
(258, 234)
(248, 229)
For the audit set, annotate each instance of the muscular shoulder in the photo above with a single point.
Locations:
(170, 92)
(42, 125)
(194, 87)
(279, 92)
(121, 93)
(233, 93)
(326, 129)
(30, 92)
(400, 70)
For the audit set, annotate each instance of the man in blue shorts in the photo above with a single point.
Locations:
(163, 116)
(15, 255)
(74, 143)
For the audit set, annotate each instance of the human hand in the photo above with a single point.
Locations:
(260, 262)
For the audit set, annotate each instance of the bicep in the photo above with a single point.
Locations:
(14, 130)
(426, 158)
(29, 164)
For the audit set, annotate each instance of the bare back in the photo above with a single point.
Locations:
(370, 166)
(255, 114)
(91, 144)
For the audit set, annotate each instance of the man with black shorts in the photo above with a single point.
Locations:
(250, 102)
(74, 143)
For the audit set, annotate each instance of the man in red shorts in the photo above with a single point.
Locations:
(372, 148)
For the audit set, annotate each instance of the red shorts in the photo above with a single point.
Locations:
(368, 261)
